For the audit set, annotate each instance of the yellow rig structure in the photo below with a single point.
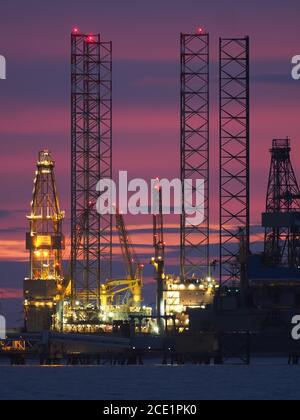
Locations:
(179, 296)
(43, 290)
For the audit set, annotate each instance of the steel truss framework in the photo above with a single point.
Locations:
(234, 153)
(282, 233)
(91, 108)
(45, 239)
(195, 151)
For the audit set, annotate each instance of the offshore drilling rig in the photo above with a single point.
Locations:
(274, 276)
(90, 299)
(282, 216)
(263, 303)
(251, 288)
(91, 262)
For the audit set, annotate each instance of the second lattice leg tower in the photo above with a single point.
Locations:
(195, 151)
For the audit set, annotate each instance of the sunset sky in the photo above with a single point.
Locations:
(35, 98)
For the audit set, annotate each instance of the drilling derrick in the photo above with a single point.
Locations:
(45, 242)
(195, 151)
(91, 103)
(282, 217)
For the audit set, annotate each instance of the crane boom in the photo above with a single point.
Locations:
(134, 271)
(133, 267)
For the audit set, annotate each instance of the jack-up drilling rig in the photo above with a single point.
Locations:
(93, 291)
(269, 292)
(274, 276)
(282, 217)
(45, 242)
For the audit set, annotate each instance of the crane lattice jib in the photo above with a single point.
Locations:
(133, 266)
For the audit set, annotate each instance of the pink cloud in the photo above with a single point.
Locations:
(6, 293)
(48, 120)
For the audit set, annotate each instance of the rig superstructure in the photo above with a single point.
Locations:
(43, 290)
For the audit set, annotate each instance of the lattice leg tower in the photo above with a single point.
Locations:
(195, 149)
(106, 221)
(234, 154)
(91, 161)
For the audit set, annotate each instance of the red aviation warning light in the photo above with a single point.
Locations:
(75, 30)
(200, 30)
(90, 38)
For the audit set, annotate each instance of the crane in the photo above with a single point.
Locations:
(132, 285)
(69, 282)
